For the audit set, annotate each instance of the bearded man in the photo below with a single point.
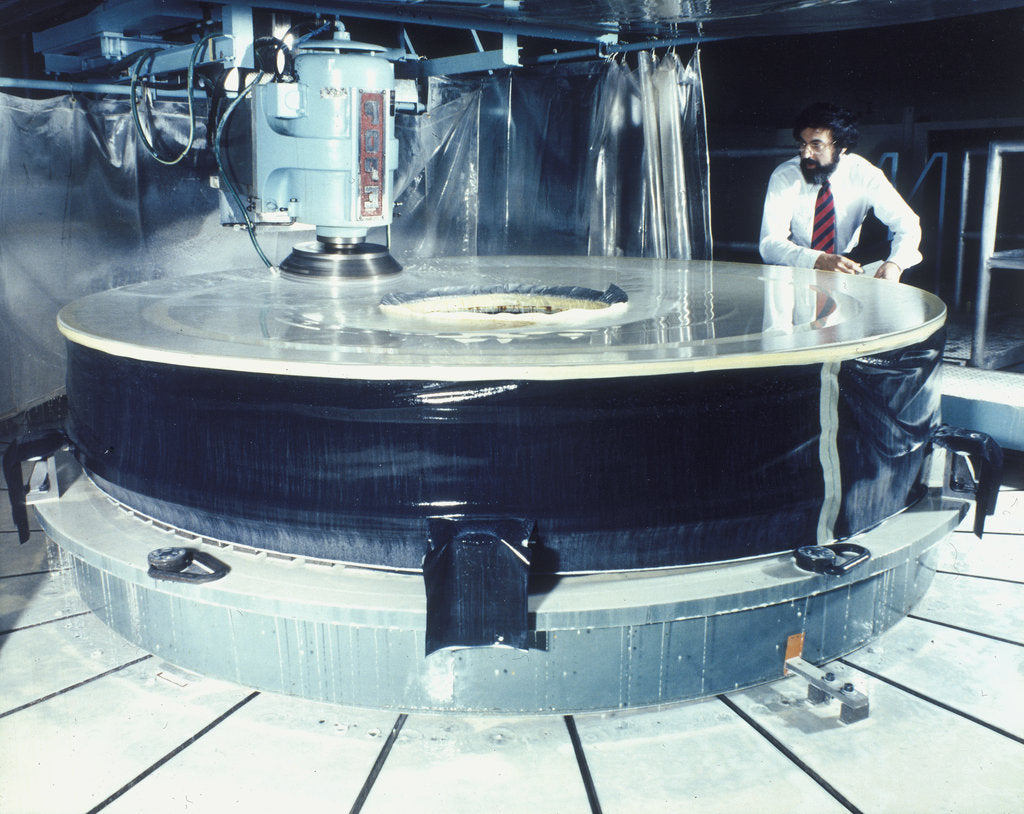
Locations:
(817, 201)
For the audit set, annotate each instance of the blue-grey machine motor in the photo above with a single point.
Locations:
(324, 152)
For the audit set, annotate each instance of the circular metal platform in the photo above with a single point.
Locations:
(501, 484)
(355, 636)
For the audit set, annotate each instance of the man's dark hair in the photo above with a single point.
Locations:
(824, 115)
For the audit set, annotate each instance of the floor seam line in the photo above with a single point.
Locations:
(792, 756)
(173, 753)
(75, 686)
(980, 576)
(931, 700)
(34, 573)
(988, 533)
(581, 762)
(378, 764)
(47, 622)
(965, 629)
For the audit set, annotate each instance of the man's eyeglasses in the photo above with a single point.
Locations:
(815, 147)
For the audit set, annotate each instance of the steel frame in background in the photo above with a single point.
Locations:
(988, 257)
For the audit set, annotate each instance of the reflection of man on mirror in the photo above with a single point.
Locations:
(817, 201)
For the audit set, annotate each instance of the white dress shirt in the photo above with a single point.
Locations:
(857, 186)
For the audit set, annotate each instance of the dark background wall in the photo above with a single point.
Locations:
(944, 86)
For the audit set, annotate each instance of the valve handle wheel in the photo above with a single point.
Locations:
(834, 560)
(179, 564)
(170, 559)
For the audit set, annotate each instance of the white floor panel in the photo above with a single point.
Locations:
(698, 757)
(456, 764)
(909, 756)
(35, 598)
(976, 675)
(983, 605)
(20, 558)
(73, 751)
(46, 659)
(275, 754)
(997, 556)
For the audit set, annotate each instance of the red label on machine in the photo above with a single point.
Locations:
(372, 115)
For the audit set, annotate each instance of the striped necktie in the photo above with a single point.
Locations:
(824, 236)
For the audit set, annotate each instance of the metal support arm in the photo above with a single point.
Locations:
(823, 686)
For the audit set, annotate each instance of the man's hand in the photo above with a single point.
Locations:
(889, 271)
(836, 262)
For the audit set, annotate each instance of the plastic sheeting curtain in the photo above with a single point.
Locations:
(596, 159)
(81, 212)
(580, 159)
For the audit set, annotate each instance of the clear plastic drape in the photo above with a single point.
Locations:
(578, 159)
(81, 212)
(596, 159)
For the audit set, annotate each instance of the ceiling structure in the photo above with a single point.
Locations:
(667, 19)
(598, 21)
(71, 39)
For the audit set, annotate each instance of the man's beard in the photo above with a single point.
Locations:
(816, 172)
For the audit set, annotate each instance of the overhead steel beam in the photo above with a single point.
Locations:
(99, 37)
(451, 66)
(139, 15)
(496, 19)
(85, 87)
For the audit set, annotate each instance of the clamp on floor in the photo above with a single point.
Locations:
(823, 685)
